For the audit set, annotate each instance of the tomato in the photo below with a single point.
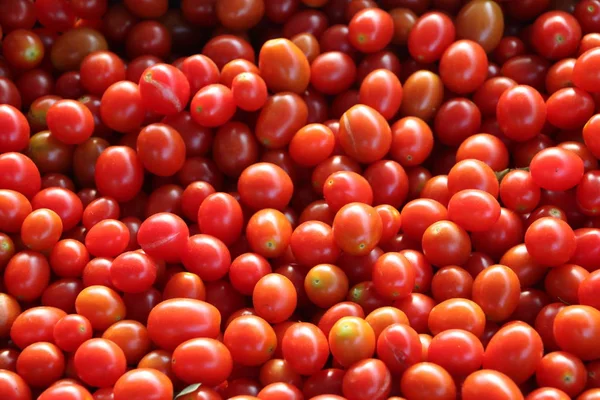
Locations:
(21, 174)
(556, 35)
(174, 321)
(364, 134)
(26, 275)
(521, 113)
(351, 339)
(271, 286)
(550, 241)
(482, 22)
(107, 238)
(41, 364)
(165, 236)
(143, 383)
(110, 177)
(470, 59)
(15, 135)
(213, 105)
(250, 352)
(456, 121)
(457, 314)
(305, 348)
(423, 94)
(393, 276)
(321, 72)
(488, 382)
(372, 371)
(430, 36)
(412, 141)
(427, 381)
(99, 362)
(562, 371)
(121, 107)
(496, 290)
(265, 185)
(446, 243)
(556, 169)
(370, 30)
(474, 210)
(202, 360)
(71, 331)
(75, 391)
(572, 327)
(161, 149)
(13, 386)
(357, 229)
(399, 347)
(472, 174)
(269, 232)
(283, 66)
(101, 305)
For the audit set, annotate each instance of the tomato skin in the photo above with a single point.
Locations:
(283, 66)
(15, 134)
(393, 276)
(473, 210)
(368, 378)
(14, 208)
(563, 371)
(488, 382)
(364, 134)
(446, 243)
(74, 391)
(96, 373)
(265, 185)
(465, 314)
(119, 173)
(496, 290)
(252, 351)
(270, 286)
(351, 333)
(572, 328)
(370, 30)
(443, 351)
(556, 35)
(174, 321)
(20, 174)
(557, 169)
(121, 107)
(212, 106)
(41, 364)
(515, 350)
(161, 149)
(357, 229)
(164, 236)
(427, 381)
(164, 89)
(13, 386)
(143, 383)
(305, 348)
(430, 36)
(399, 339)
(202, 360)
(470, 59)
(26, 276)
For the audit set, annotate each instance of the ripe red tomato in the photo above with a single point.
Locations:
(99, 362)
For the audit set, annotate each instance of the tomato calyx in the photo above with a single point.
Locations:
(501, 174)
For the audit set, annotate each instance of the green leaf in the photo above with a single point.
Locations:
(188, 390)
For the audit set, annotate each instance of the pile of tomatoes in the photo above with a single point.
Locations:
(300, 199)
